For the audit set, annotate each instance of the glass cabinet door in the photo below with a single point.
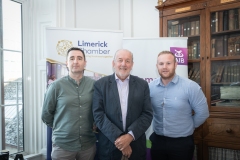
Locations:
(225, 58)
(188, 27)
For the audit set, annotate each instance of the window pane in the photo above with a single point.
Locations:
(12, 38)
(13, 92)
(12, 71)
(13, 128)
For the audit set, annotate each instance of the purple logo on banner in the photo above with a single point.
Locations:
(181, 55)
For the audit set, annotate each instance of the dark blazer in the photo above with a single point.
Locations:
(108, 116)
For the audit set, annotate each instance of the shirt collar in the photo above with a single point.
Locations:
(117, 79)
(174, 80)
(73, 80)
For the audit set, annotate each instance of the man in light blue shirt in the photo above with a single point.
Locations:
(179, 106)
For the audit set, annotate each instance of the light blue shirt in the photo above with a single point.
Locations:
(173, 104)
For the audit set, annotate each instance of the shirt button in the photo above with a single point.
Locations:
(80, 106)
(80, 116)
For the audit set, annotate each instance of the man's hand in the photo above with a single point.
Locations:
(123, 141)
(127, 151)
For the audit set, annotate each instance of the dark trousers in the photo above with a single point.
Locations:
(166, 148)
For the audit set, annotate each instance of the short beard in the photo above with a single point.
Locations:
(168, 77)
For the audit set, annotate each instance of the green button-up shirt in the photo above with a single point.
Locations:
(67, 108)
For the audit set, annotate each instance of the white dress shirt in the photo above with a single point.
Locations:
(123, 89)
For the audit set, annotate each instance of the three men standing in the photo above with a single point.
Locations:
(121, 105)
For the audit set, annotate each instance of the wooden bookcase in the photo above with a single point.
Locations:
(213, 31)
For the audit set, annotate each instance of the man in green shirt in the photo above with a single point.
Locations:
(67, 110)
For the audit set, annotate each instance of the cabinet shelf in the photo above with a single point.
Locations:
(225, 32)
(195, 36)
(225, 58)
(193, 60)
(226, 84)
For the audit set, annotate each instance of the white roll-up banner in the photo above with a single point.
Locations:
(145, 52)
(99, 47)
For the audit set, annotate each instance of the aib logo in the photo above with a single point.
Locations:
(181, 55)
(178, 54)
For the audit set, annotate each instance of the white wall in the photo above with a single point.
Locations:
(145, 19)
(95, 14)
(136, 18)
